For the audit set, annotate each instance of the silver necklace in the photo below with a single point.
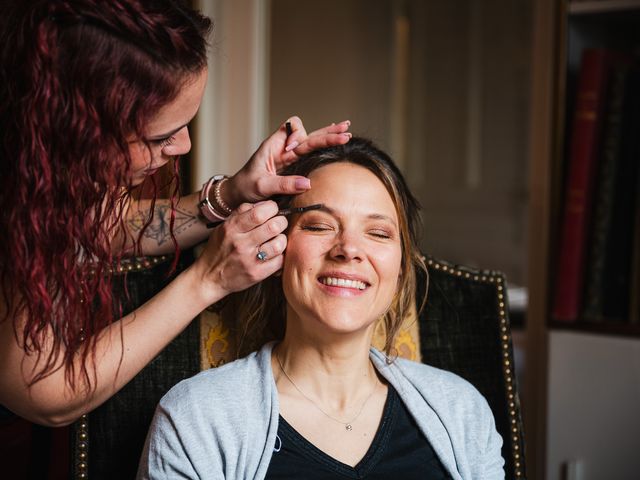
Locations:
(347, 425)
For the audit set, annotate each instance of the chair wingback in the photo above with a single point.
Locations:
(464, 328)
(108, 442)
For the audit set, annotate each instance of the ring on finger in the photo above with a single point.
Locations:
(261, 255)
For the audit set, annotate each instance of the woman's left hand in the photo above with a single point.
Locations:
(259, 179)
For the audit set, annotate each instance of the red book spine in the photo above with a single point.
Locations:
(585, 140)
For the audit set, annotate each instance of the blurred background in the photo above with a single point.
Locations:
(442, 86)
(470, 98)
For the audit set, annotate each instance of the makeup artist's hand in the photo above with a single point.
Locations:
(229, 262)
(259, 179)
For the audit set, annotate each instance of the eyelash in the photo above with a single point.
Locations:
(381, 234)
(165, 142)
(314, 228)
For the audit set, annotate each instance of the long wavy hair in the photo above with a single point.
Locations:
(260, 311)
(78, 79)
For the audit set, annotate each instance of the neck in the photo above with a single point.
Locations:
(336, 372)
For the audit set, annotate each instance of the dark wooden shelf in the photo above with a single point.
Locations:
(624, 329)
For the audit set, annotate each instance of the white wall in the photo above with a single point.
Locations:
(232, 120)
(594, 406)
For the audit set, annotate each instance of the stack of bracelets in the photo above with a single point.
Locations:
(213, 210)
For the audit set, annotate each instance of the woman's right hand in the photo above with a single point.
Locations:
(229, 262)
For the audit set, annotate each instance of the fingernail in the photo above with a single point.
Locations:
(347, 134)
(303, 183)
(347, 122)
(291, 146)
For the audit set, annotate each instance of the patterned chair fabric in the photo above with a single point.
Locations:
(464, 328)
(107, 443)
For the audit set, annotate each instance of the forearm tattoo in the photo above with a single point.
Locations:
(158, 229)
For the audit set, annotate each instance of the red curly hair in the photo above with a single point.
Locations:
(78, 79)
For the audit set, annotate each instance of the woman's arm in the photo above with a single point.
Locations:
(227, 264)
(189, 228)
(257, 180)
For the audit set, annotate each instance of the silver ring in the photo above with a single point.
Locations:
(262, 256)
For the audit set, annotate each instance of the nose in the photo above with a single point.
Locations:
(347, 247)
(181, 144)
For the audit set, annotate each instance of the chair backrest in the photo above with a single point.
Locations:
(464, 328)
(107, 443)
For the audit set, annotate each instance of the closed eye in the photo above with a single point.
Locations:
(315, 228)
(380, 234)
(164, 142)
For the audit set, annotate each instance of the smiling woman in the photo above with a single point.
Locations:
(343, 261)
(319, 402)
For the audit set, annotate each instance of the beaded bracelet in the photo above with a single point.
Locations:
(207, 209)
(217, 197)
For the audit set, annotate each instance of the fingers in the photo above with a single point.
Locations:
(321, 141)
(247, 216)
(298, 133)
(273, 248)
(244, 207)
(334, 134)
(333, 128)
(262, 229)
(269, 230)
(230, 259)
(280, 185)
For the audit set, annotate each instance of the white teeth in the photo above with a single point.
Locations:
(343, 282)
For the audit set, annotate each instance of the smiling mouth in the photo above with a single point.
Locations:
(342, 282)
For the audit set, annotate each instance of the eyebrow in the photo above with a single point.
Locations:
(373, 216)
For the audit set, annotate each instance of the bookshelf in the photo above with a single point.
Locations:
(562, 31)
(613, 26)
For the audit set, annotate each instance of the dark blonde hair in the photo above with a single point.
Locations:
(259, 312)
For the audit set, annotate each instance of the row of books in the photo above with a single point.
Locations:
(598, 263)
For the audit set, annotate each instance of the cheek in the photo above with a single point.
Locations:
(301, 258)
(305, 249)
(389, 264)
(140, 156)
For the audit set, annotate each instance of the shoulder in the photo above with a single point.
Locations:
(222, 389)
(438, 398)
(438, 387)
(422, 376)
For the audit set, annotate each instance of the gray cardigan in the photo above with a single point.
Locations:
(222, 423)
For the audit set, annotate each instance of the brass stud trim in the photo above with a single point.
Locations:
(81, 460)
(498, 280)
(136, 264)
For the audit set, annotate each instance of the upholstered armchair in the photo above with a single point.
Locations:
(463, 328)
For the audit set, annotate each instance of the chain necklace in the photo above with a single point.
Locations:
(347, 425)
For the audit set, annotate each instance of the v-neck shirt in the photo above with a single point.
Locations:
(398, 448)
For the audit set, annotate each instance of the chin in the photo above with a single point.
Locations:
(345, 324)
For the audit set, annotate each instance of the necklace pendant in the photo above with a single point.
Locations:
(348, 427)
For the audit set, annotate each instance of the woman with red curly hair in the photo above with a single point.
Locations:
(96, 97)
